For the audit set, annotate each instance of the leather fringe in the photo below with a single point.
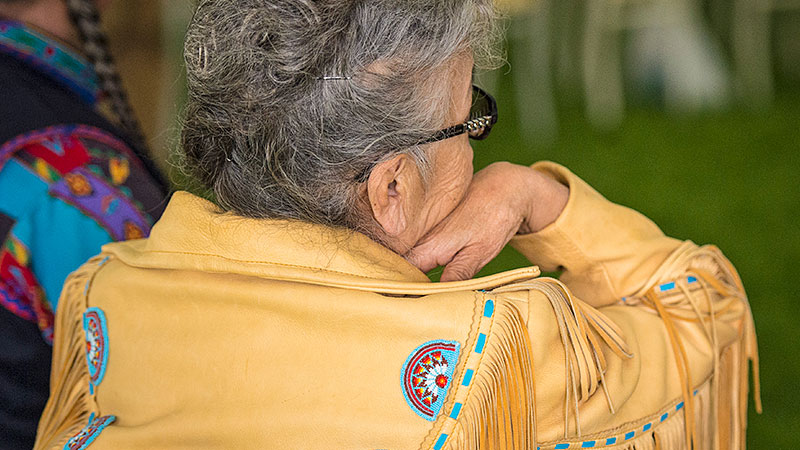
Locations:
(721, 414)
(498, 411)
(671, 433)
(70, 405)
(582, 329)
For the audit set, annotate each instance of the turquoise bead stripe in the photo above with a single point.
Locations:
(440, 442)
(456, 411)
(488, 308)
(669, 286)
(613, 440)
(468, 377)
(481, 343)
(630, 435)
(488, 311)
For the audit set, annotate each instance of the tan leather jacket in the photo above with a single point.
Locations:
(225, 332)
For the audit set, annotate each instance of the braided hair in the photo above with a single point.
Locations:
(86, 19)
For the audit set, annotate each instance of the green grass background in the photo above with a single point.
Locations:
(727, 178)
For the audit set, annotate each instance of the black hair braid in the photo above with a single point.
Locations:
(86, 19)
(95, 45)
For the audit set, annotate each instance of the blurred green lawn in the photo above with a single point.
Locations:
(727, 178)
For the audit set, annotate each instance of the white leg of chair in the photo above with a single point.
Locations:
(566, 31)
(751, 32)
(602, 63)
(532, 75)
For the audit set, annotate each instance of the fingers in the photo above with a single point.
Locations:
(463, 248)
(424, 261)
(478, 228)
(437, 251)
(470, 259)
(460, 263)
(464, 265)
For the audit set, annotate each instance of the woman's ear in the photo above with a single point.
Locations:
(391, 189)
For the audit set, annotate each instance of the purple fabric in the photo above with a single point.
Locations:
(105, 204)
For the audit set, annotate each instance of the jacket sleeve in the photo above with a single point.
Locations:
(606, 251)
(642, 318)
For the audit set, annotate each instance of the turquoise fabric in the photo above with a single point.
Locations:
(47, 226)
(21, 189)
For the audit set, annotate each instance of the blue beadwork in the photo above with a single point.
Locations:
(613, 440)
(440, 442)
(456, 411)
(629, 435)
(481, 343)
(468, 377)
(96, 333)
(427, 375)
(89, 433)
(488, 308)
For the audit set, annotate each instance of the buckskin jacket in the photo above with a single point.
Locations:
(222, 332)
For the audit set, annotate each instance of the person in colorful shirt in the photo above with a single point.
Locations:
(70, 181)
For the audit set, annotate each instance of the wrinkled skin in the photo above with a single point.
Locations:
(458, 220)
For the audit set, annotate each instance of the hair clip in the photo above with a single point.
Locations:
(334, 78)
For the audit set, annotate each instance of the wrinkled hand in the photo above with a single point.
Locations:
(502, 200)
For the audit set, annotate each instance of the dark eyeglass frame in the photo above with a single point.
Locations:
(478, 125)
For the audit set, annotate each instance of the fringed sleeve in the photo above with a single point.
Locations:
(698, 286)
(611, 255)
(593, 367)
(494, 406)
(70, 405)
(497, 400)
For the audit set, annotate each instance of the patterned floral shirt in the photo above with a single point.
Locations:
(66, 188)
(69, 183)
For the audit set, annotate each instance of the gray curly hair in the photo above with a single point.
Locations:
(270, 137)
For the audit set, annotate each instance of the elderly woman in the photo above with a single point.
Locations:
(294, 312)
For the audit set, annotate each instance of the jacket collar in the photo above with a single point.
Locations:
(194, 234)
(50, 57)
